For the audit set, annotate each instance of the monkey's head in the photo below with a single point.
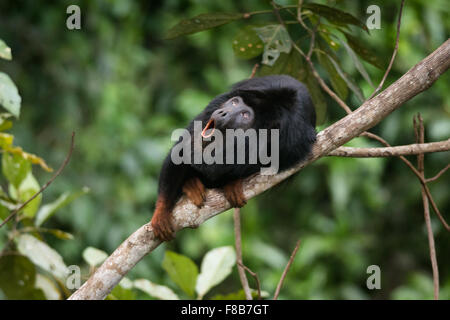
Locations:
(233, 114)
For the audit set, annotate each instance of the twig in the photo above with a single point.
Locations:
(321, 82)
(299, 16)
(437, 176)
(238, 239)
(406, 150)
(255, 68)
(255, 276)
(238, 244)
(286, 269)
(420, 138)
(399, 21)
(308, 59)
(66, 161)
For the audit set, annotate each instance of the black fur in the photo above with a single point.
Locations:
(279, 102)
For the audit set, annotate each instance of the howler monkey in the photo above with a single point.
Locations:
(271, 102)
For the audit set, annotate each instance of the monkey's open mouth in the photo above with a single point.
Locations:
(209, 125)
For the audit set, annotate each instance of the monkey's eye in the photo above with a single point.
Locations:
(235, 101)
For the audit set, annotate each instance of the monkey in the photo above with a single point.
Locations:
(270, 102)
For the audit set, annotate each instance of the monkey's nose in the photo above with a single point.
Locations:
(221, 113)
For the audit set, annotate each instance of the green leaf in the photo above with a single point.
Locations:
(276, 40)
(17, 278)
(6, 140)
(357, 63)
(15, 168)
(247, 44)
(48, 210)
(121, 293)
(34, 159)
(9, 95)
(42, 255)
(5, 125)
(93, 256)
(291, 64)
(27, 188)
(155, 290)
(48, 287)
(337, 82)
(5, 51)
(58, 233)
(334, 15)
(202, 22)
(239, 295)
(324, 33)
(316, 96)
(364, 52)
(216, 266)
(182, 270)
(350, 83)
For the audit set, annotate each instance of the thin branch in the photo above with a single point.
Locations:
(309, 61)
(437, 176)
(187, 215)
(276, 11)
(238, 244)
(434, 263)
(299, 16)
(406, 150)
(45, 186)
(399, 21)
(420, 138)
(255, 276)
(238, 239)
(255, 68)
(283, 276)
(321, 82)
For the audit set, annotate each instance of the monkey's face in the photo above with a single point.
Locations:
(233, 114)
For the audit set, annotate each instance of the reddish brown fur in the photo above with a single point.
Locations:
(195, 190)
(162, 226)
(234, 193)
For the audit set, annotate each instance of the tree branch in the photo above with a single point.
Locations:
(187, 215)
(399, 22)
(407, 150)
(420, 138)
(238, 244)
(286, 269)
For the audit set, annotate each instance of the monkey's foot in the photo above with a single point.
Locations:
(234, 194)
(162, 228)
(195, 190)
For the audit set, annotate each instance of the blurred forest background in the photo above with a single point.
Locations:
(123, 89)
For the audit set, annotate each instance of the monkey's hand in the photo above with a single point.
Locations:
(234, 194)
(162, 226)
(195, 191)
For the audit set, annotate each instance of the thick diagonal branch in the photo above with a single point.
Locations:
(186, 214)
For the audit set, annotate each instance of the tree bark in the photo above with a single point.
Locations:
(407, 150)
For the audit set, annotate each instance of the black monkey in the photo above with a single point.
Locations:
(271, 102)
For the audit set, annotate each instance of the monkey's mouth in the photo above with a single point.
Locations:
(210, 125)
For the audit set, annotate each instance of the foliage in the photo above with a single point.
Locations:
(123, 88)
